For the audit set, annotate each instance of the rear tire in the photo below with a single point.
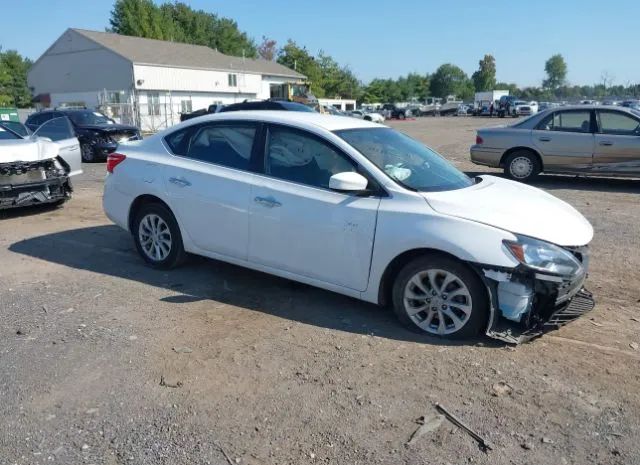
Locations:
(522, 165)
(440, 296)
(157, 236)
(401, 116)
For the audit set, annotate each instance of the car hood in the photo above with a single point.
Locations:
(109, 127)
(26, 150)
(517, 208)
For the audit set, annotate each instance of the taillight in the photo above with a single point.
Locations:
(113, 160)
(479, 139)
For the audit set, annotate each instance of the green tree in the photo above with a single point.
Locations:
(556, 69)
(180, 23)
(485, 78)
(299, 59)
(451, 80)
(14, 90)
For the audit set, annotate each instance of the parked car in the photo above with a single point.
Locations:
(367, 116)
(357, 208)
(216, 107)
(584, 139)
(98, 134)
(36, 168)
(392, 111)
(506, 106)
(267, 105)
(525, 108)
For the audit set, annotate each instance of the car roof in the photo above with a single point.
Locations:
(294, 118)
(591, 107)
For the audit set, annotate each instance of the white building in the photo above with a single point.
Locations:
(144, 81)
(339, 103)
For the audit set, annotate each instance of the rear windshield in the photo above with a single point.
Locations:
(405, 160)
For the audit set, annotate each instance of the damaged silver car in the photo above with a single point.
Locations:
(36, 168)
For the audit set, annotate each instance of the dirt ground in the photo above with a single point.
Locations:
(105, 361)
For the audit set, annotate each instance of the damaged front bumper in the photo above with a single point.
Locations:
(33, 183)
(526, 304)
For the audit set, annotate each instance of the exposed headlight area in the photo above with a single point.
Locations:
(544, 292)
(543, 256)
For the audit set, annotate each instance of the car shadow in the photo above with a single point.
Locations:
(576, 182)
(108, 250)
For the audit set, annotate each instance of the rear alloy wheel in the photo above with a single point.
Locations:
(157, 237)
(522, 166)
(441, 297)
(88, 154)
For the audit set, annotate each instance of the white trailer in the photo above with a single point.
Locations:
(485, 99)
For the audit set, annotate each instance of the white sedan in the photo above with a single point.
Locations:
(368, 116)
(356, 208)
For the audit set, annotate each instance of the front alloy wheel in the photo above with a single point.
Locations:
(440, 296)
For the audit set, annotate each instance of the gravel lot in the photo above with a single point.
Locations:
(105, 361)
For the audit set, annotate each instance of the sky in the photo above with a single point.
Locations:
(389, 38)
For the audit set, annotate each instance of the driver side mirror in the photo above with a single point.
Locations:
(348, 181)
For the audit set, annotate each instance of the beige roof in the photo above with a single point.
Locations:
(160, 52)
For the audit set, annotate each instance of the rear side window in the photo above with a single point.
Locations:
(227, 145)
(613, 122)
(567, 121)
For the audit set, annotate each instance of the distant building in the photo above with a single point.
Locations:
(147, 82)
(338, 103)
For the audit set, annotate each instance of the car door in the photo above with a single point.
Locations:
(208, 182)
(565, 140)
(617, 143)
(299, 225)
(60, 131)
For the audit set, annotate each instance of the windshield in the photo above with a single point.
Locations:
(88, 118)
(292, 106)
(406, 160)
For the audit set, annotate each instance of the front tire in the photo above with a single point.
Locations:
(157, 236)
(87, 153)
(401, 116)
(522, 165)
(440, 296)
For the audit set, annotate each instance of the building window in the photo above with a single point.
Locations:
(153, 103)
(185, 106)
(233, 80)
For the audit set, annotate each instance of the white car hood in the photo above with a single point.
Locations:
(26, 150)
(517, 208)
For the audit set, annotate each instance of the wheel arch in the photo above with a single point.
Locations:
(506, 154)
(141, 200)
(385, 286)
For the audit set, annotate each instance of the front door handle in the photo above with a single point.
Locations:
(268, 202)
(179, 182)
(606, 143)
(545, 139)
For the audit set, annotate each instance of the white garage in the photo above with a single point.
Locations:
(147, 82)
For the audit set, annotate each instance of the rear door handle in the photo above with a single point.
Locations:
(606, 143)
(179, 182)
(268, 202)
(545, 139)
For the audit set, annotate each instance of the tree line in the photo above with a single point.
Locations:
(179, 22)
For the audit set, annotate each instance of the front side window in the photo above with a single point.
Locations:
(567, 121)
(233, 80)
(226, 145)
(616, 123)
(153, 103)
(406, 160)
(56, 129)
(298, 157)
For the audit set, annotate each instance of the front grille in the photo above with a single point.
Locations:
(581, 303)
(124, 136)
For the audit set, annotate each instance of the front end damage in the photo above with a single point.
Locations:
(526, 303)
(32, 183)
